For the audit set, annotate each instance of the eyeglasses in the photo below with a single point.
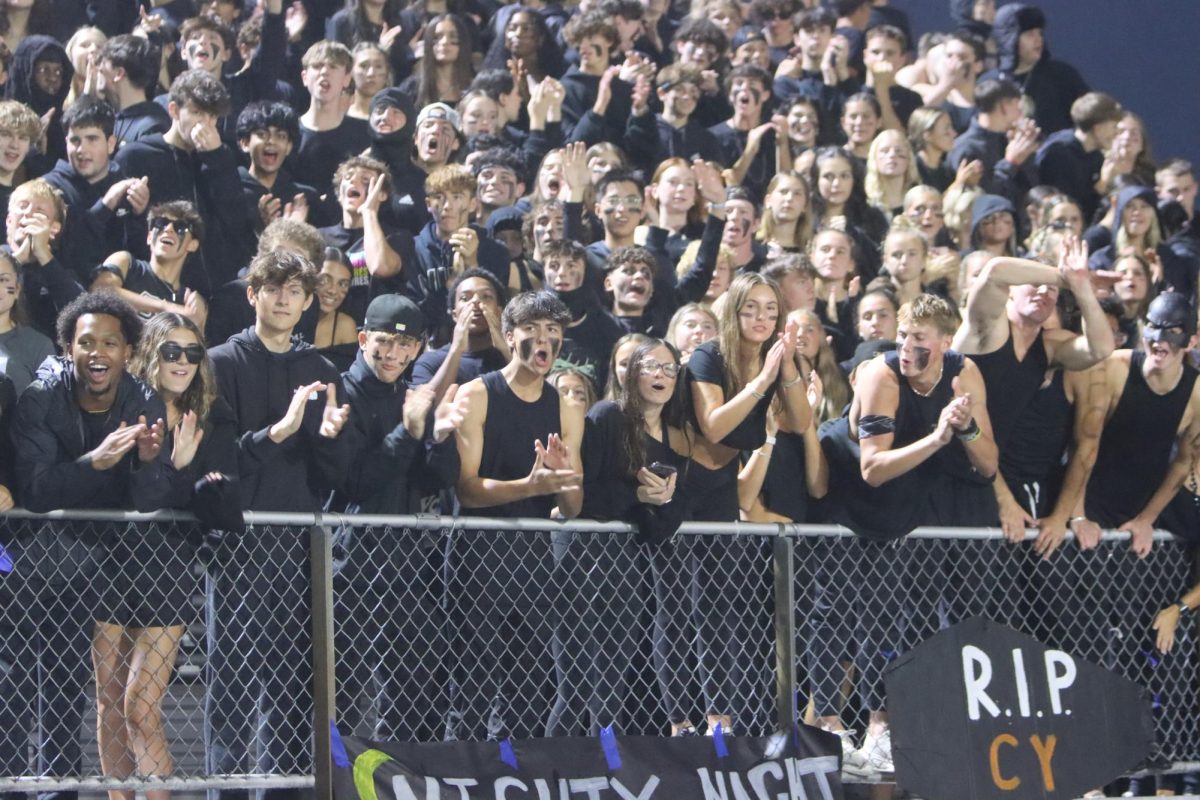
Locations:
(631, 203)
(650, 366)
(172, 352)
(181, 227)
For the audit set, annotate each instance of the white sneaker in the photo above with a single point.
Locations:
(853, 762)
(876, 750)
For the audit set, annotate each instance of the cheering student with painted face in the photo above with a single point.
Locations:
(520, 451)
(1134, 406)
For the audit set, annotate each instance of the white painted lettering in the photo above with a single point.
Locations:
(977, 674)
(1057, 680)
(1022, 682)
(645, 794)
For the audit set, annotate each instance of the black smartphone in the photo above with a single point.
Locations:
(662, 470)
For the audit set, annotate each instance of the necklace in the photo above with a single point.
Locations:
(931, 388)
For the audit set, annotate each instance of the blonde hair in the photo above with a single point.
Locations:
(873, 183)
(20, 119)
(804, 224)
(40, 189)
(836, 388)
(933, 310)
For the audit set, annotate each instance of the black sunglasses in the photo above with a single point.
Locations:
(181, 227)
(172, 352)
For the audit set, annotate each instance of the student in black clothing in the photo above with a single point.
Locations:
(883, 57)
(40, 78)
(87, 434)
(34, 221)
(623, 440)
(501, 178)
(733, 380)
(328, 136)
(150, 579)
(741, 222)
(449, 244)
(406, 449)
(520, 450)
(477, 345)
(99, 199)
(680, 136)
(753, 149)
(284, 397)
(630, 283)
(157, 285)
(19, 129)
(1137, 227)
(1074, 160)
(819, 73)
(1137, 404)
(377, 253)
(591, 334)
(267, 132)
(126, 68)
(1052, 85)
(836, 180)
(190, 163)
(1007, 170)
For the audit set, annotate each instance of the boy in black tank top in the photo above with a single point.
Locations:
(1003, 332)
(520, 452)
(920, 418)
(1137, 404)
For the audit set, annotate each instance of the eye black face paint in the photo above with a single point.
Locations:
(555, 345)
(921, 357)
(526, 349)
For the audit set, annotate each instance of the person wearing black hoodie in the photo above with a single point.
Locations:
(1136, 226)
(450, 244)
(408, 450)
(127, 66)
(993, 226)
(284, 395)
(87, 434)
(189, 162)
(393, 119)
(1007, 169)
(267, 132)
(40, 77)
(1024, 59)
(100, 199)
(591, 333)
(1073, 160)
(34, 221)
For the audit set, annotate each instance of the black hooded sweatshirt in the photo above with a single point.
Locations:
(1052, 85)
(1179, 269)
(298, 473)
(93, 231)
(1000, 176)
(1064, 164)
(22, 87)
(51, 436)
(211, 183)
(391, 469)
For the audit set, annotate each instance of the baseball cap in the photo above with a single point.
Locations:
(394, 313)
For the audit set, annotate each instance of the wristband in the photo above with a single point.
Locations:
(758, 395)
(1184, 609)
(792, 382)
(970, 434)
(716, 206)
(1071, 522)
(771, 440)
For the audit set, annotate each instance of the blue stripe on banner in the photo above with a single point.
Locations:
(507, 755)
(718, 738)
(608, 742)
(340, 757)
(6, 564)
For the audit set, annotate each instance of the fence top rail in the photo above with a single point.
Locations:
(434, 522)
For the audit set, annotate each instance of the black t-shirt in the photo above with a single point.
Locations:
(708, 366)
(320, 152)
(470, 366)
(363, 287)
(140, 279)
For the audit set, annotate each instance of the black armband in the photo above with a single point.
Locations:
(875, 425)
(108, 268)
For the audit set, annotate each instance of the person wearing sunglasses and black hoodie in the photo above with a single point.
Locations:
(176, 231)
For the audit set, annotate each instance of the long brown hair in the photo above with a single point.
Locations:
(427, 88)
(202, 391)
(804, 223)
(631, 402)
(729, 329)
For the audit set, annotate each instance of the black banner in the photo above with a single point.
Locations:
(800, 766)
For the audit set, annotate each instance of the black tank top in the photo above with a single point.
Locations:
(1039, 436)
(1135, 447)
(917, 417)
(509, 430)
(1011, 383)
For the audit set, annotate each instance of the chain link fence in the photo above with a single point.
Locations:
(137, 651)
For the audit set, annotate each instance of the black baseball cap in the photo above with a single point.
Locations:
(394, 313)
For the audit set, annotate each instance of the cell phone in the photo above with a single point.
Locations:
(662, 470)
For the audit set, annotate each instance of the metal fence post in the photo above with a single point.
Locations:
(321, 559)
(785, 629)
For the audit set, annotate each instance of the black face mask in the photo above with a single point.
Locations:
(578, 301)
(1153, 333)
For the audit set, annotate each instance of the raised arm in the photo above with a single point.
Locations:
(1096, 343)
(985, 325)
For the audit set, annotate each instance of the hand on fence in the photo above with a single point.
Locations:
(1014, 520)
(1051, 533)
(1165, 623)
(1142, 536)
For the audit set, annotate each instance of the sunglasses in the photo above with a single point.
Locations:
(172, 352)
(162, 223)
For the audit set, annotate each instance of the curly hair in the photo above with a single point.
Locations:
(197, 88)
(531, 307)
(279, 268)
(101, 302)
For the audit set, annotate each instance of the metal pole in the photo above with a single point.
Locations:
(321, 557)
(785, 631)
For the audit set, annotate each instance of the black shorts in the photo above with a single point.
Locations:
(148, 579)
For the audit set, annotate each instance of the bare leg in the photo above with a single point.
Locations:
(153, 661)
(111, 648)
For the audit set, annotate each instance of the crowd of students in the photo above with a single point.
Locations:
(774, 261)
